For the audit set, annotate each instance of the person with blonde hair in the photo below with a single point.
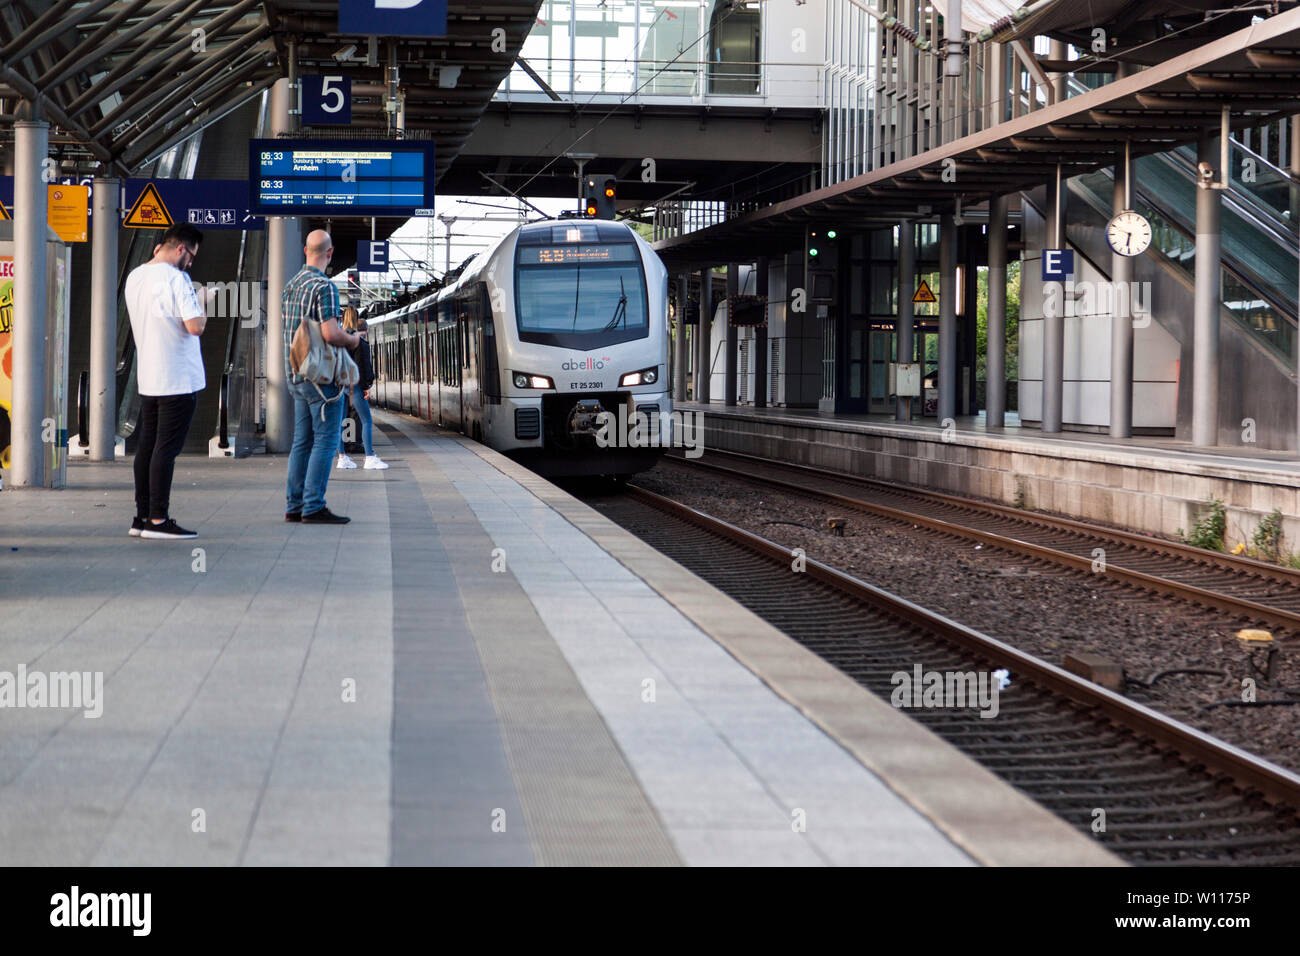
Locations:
(360, 395)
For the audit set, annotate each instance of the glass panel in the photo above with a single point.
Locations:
(669, 54)
(884, 289)
(580, 298)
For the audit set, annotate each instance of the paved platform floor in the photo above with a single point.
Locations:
(462, 675)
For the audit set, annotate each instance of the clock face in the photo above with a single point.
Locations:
(1129, 233)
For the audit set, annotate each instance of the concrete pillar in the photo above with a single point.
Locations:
(1121, 329)
(995, 401)
(906, 310)
(284, 257)
(948, 384)
(732, 337)
(762, 270)
(703, 354)
(679, 340)
(103, 321)
(1054, 324)
(1205, 347)
(30, 319)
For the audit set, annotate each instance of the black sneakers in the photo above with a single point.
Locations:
(324, 516)
(168, 529)
(294, 516)
(138, 524)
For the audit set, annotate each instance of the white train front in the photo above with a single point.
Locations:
(552, 347)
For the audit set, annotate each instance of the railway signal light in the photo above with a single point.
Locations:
(600, 197)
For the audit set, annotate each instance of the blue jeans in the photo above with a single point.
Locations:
(367, 423)
(314, 438)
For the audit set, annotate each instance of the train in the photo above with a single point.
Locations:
(550, 347)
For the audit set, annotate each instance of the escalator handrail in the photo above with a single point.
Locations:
(1248, 207)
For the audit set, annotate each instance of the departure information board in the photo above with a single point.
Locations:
(294, 177)
(563, 255)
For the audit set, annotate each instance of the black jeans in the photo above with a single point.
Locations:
(162, 426)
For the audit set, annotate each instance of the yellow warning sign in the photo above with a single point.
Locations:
(4, 213)
(148, 212)
(66, 211)
(923, 293)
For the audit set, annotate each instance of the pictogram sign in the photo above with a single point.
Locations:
(148, 212)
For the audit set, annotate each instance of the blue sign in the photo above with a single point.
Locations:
(204, 203)
(325, 100)
(330, 178)
(393, 18)
(372, 256)
(1058, 264)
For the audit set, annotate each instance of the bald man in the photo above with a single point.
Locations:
(317, 410)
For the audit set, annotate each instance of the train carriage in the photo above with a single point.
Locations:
(551, 347)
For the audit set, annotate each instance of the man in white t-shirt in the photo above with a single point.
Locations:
(167, 319)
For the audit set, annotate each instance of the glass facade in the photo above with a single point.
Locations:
(643, 47)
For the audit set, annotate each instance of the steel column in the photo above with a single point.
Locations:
(1054, 324)
(906, 310)
(761, 280)
(995, 401)
(1205, 347)
(948, 384)
(703, 331)
(103, 321)
(679, 339)
(1121, 329)
(30, 319)
(284, 258)
(732, 337)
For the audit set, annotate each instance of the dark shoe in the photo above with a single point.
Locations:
(293, 516)
(324, 516)
(137, 526)
(168, 529)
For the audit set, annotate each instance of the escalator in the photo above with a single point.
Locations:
(1260, 253)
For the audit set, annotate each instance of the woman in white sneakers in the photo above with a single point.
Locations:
(361, 394)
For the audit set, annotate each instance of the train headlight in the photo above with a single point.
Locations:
(647, 376)
(525, 380)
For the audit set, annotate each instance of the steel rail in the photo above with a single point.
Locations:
(1250, 610)
(1250, 773)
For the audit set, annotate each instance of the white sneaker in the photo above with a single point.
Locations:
(345, 462)
(375, 462)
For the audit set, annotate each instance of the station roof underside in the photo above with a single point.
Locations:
(1256, 71)
(124, 80)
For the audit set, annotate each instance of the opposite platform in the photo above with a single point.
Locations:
(476, 670)
(1156, 485)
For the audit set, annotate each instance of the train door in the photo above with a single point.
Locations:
(462, 344)
(426, 348)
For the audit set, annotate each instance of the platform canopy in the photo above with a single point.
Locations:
(1254, 71)
(122, 81)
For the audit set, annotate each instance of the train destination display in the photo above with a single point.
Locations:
(340, 177)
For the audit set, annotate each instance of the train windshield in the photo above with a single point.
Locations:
(580, 294)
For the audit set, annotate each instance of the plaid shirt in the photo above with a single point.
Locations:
(308, 295)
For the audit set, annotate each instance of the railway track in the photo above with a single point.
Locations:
(1170, 795)
(1258, 593)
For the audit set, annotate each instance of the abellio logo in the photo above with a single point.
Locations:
(587, 364)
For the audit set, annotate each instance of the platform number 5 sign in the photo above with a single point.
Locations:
(326, 100)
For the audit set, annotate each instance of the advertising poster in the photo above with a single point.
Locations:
(6, 352)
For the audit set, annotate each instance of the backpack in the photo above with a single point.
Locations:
(320, 363)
